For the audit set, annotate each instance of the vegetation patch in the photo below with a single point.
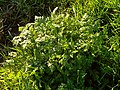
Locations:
(75, 49)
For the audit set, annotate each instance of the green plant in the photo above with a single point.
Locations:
(51, 50)
(65, 52)
(14, 13)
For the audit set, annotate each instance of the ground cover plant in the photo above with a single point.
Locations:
(77, 49)
(15, 13)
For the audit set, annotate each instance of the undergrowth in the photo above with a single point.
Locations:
(75, 49)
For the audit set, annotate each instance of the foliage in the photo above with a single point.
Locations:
(15, 13)
(70, 51)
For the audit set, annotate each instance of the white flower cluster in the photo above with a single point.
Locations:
(38, 17)
(12, 54)
(22, 39)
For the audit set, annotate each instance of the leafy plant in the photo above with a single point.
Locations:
(65, 52)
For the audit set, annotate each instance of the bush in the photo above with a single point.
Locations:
(64, 52)
(15, 13)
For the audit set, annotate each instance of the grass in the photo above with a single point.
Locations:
(75, 48)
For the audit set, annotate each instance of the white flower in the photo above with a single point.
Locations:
(38, 17)
(12, 54)
(16, 40)
(55, 10)
(49, 64)
(40, 39)
(9, 61)
(25, 43)
(25, 32)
